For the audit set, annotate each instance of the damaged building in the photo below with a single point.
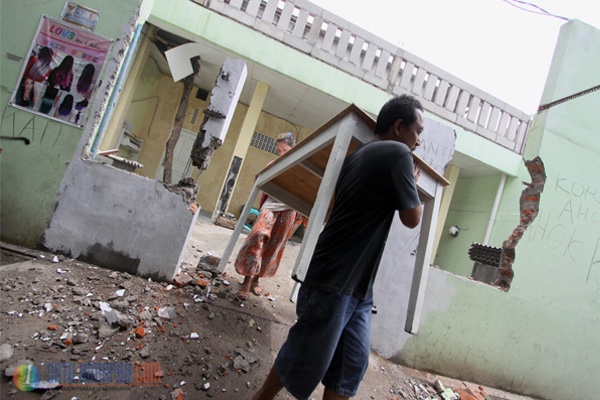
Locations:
(186, 102)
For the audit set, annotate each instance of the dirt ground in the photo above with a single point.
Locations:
(93, 333)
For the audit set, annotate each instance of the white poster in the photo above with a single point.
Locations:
(60, 72)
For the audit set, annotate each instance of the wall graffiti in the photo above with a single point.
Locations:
(566, 231)
(575, 209)
(434, 149)
(36, 129)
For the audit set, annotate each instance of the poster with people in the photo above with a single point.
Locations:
(61, 71)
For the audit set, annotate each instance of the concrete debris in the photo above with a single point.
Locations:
(50, 394)
(93, 375)
(145, 352)
(165, 312)
(6, 352)
(182, 279)
(168, 333)
(177, 394)
(208, 262)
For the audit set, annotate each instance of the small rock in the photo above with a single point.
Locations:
(6, 352)
(106, 331)
(92, 374)
(124, 321)
(79, 291)
(205, 274)
(239, 363)
(50, 394)
(165, 312)
(81, 338)
(177, 394)
(121, 305)
(145, 352)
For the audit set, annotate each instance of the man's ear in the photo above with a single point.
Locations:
(398, 127)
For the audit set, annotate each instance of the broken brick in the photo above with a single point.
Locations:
(140, 332)
(202, 282)
(182, 280)
(177, 394)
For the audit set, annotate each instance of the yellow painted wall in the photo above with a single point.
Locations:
(156, 125)
(151, 114)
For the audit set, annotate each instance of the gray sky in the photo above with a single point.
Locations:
(490, 44)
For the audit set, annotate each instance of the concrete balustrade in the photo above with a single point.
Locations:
(335, 41)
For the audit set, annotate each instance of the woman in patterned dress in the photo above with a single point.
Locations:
(263, 248)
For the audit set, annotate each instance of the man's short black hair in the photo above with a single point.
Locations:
(403, 107)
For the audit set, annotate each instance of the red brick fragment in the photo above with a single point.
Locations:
(140, 332)
(182, 280)
(202, 282)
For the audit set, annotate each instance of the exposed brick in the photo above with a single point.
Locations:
(182, 280)
(140, 332)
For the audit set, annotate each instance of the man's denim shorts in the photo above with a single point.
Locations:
(329, 343)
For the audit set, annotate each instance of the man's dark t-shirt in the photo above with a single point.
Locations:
(375, 181)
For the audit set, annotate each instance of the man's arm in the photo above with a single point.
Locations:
(411, 217)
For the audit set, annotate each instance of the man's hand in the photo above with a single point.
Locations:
(417, 171)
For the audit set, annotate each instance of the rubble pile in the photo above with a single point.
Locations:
(81, 325)
(86, 314)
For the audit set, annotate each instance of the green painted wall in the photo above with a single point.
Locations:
(31, 174)
(470, 210)
(563, 243)
(540, 337)
(474, 332)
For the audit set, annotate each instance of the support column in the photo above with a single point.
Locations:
(114, 129)
(452, 172)
(241, 147)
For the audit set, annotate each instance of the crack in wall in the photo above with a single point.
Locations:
(529, 205)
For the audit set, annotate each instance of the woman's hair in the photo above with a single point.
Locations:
(287, 138)
(21, 94)
(39, 70)
(66, 106)
(403, 107)
(62, 75)
(66, 64)
(46, 54)
(85, 79)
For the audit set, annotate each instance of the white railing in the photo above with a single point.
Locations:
(333, 40)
